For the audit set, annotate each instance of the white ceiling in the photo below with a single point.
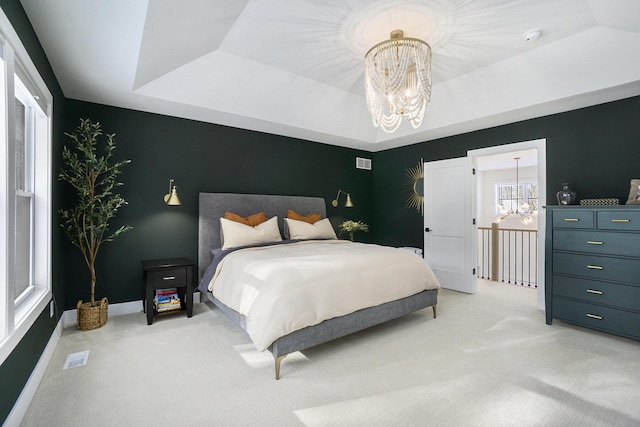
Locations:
(295, 68)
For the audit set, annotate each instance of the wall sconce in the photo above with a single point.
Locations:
(348, 203)
(171, 198)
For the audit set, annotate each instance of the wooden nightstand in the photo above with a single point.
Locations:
(168, 273)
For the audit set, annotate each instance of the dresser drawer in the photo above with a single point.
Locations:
(573, 218)
(170, 278)
(597, 317)
(592, 291)
(597, 267)
(618, 220)
(626, 244)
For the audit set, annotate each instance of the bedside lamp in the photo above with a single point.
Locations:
(171, 198)
(347, 204)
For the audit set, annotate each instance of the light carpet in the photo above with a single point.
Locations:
(488, 360)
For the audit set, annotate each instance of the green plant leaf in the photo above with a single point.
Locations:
(93, 176)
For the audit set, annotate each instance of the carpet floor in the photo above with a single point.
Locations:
(488, 360)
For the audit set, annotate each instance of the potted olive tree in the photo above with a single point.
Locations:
(93, 175)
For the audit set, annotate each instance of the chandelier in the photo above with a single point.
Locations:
(398, 81)
(523, 211)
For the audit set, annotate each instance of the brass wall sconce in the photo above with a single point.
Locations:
(348, 203)
(171, 198)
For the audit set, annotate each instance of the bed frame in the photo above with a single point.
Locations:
(212, 208)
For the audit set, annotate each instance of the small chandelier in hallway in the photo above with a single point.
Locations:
(523, 211)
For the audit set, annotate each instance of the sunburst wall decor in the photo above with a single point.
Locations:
(414, 187)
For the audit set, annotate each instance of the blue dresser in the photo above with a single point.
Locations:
(592, 275)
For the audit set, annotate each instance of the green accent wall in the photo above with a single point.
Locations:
(593, 148)
(200, 157)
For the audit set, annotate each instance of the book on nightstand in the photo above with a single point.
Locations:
(167, 300)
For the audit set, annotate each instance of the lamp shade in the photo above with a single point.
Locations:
(349, 203)
(173, 199)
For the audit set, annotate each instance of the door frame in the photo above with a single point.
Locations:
(541, 146)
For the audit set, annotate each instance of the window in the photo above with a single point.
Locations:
(511, 196)
(25, 196)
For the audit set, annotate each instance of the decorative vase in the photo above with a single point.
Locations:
(566, 196)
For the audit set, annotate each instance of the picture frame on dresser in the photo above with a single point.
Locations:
(634, 193)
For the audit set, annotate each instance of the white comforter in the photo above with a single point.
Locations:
(283, 288)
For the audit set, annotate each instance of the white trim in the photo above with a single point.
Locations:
(70, 317)
(15, 322)
(541, 146)
(23, 57)
(25, 317)
(4, 219)
(24, 295)
(19, 409)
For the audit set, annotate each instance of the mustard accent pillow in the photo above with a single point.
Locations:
(311, 218)
(251, 220)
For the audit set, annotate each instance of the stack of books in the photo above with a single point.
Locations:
(167, 300)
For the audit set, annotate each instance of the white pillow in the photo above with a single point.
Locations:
(303, 230)
(236, 234)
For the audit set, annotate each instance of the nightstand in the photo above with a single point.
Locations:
(168, 273)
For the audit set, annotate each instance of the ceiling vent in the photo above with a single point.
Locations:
(363, 163)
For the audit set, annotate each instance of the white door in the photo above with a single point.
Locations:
(449, 236)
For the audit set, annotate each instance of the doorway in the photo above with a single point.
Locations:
(533, 155)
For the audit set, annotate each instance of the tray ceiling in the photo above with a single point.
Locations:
(295, 68)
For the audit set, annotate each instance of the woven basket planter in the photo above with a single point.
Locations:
(92, 317)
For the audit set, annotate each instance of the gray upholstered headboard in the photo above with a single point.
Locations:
(214, 205)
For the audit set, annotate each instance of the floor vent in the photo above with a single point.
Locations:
(362, 163)
(76, 359)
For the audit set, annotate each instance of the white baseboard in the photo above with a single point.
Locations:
(70, 317)
(26, 396)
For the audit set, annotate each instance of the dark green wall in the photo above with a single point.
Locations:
(201, 157)
(15, 370)
(593, 148)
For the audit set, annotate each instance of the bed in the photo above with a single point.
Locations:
(212, 206)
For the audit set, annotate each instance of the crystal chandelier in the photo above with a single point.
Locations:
(398, 81)
(524, 211)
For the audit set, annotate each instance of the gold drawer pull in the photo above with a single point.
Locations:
(591, 242)
(169, 278)
(593, 291)
(594, 316)
(620, 220)
(572, 219)
(594, 267)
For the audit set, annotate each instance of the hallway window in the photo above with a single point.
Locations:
(513, 196)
